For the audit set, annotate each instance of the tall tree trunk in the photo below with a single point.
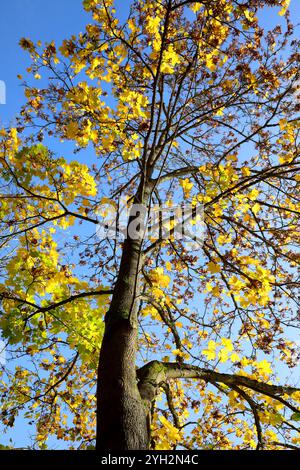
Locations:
(122, 422)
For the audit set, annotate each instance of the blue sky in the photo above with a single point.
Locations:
(37, 19)
(51, 20)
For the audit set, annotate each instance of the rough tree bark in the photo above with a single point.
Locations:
(122, 422)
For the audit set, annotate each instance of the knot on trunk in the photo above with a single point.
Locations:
(150, 377)
(120, 382)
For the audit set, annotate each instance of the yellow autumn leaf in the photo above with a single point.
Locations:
(256, 208)
(285, 4)
(158, 277)
(264, 366)
(186, 185)
(227, 343)
(72, 130)
(249, 15)
(196, 7)
(213, 267)
(210, 351)
(173, 432)
(168, 266)
(223, 355)
(234, 357)
(211, 355)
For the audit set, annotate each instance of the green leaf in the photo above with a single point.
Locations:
(295, 417)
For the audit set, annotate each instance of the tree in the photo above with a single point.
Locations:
(179, 101)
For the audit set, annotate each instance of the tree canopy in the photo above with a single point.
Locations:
(179, 101)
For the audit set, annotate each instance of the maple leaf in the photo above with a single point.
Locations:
(213, 267)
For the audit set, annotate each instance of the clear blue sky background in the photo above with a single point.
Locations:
(37, 19)
(52, 20)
